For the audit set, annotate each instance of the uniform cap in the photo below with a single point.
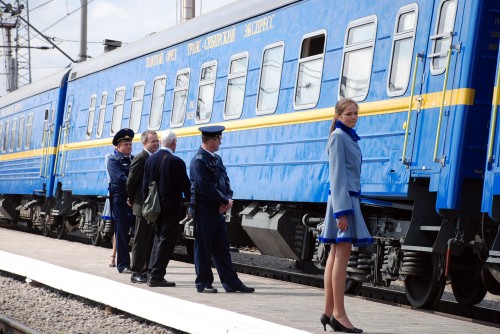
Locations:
(212, 130)
(123, 135)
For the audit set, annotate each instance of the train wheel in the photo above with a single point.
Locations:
(352, 287)
(489, 282)
(465, 276)
(46, 227)
(425, 289)
(97, 237)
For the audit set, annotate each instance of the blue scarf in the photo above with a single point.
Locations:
(350, 131)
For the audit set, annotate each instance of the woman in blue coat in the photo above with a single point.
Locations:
(344, 225)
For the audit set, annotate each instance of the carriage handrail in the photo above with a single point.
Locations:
(494, 112)
(410, 108)
(441, 106)
(42, 160)
(56, 166)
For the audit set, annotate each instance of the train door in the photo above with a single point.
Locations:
(48, 131)
(64, 137)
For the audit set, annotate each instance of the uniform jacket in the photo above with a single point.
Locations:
(209, 181)
(134, 181)
(344, 156)
(118, 169)
(173, 183)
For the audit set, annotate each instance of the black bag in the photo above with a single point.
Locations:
(151, 208)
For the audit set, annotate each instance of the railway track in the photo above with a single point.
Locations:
(10, 326)
(393, 295)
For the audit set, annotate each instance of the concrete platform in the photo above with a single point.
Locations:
(275, 307)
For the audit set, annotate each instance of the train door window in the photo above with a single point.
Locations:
(402, 50)
(29, 131)
(180, 98)
(358, 58)
(310, 70)
(270, 79)
(102, 113)
(90, 121)
(12, 139)
(20, 133)
(5, 136)
(236, 82)
(157, 101)
(136, 106)
(1, 135)
(444, 33)
(117, 116)
(206, 92)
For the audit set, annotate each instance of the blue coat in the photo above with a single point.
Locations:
(118, 169)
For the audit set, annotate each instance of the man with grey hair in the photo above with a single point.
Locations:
(143, 241)
(173, 184)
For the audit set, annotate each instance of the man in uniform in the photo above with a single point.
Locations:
(144, 231)
(118, 169)
(173, 184)
(210, 198)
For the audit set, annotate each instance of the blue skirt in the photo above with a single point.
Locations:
(357, 233)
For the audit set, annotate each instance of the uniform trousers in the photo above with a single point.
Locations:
(123, 222)
(211, 242)
(165, 236)
(142, 246)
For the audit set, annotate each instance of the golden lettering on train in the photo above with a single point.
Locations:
(194, 47)
(222, 38)
(12, 109)
(497, 20)
(171, 55)
(154, 60)
(493, 47)
(259, 26)
(495, 34)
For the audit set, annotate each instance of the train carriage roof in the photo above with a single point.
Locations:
(37, 87)
(198, 26)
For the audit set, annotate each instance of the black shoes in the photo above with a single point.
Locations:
(325, 320)
(163, 283)
(208, 289)
(242, 288)
(338, 327)
(138, 278)
(126, 271)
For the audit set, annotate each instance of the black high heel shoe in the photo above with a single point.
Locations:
(337, 326)
(326, 321)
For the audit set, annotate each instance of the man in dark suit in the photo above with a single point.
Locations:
(211, 198)
(144, 231)
(173, 183)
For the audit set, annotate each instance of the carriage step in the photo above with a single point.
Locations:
(417, 248)
(430, 228)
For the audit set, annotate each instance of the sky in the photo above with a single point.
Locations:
(122, 20)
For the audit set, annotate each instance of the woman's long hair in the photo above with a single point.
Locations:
(339, 109)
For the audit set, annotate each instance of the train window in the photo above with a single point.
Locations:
(180, 98)
(12, 135)
(5, 136)
(102, 113)
(236, 82)
(29, 131)
(270, 79)
(402, 50)
(20, 133)
(90, 121)
(206, 92)
(157, 102)
(442, 38)
(358, 58)
(117, 116)
(136, 106)
(310, 70)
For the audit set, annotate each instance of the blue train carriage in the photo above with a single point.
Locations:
(491, 191)
(30, 118)
(134, 86)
